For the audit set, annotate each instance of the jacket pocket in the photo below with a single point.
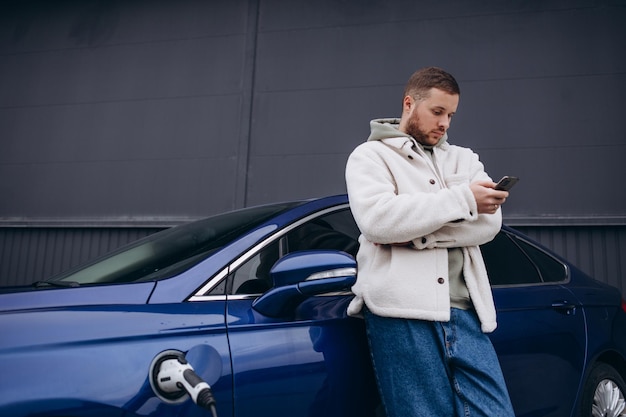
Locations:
(456, 179)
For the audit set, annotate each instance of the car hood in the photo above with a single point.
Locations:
(30, 298)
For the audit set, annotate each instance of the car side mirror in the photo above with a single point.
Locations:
(303, 274)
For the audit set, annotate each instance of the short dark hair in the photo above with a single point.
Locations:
(424, 79)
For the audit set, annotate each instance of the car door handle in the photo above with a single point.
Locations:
(564, 307)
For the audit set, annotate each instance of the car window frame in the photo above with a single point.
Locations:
(204, 292)
(514, 237)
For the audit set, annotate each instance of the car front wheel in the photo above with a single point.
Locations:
(603, 395)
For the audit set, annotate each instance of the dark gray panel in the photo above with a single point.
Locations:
(578, 111)
(113, 109)
(318, 121)
(529, 88)
(180, 68)
(129, 53)
(140, 158)
(503, 44)
(562, 182)
(112, 51)
(202, 127)
(279, 15)
(297, 176)
(30, 25)
(113, 189)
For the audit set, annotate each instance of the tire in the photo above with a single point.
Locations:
(603, 394)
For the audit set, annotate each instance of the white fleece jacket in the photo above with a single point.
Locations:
(398, 194)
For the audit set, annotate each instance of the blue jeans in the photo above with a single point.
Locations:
(428, 369)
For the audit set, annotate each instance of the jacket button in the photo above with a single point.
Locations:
(432, 181)
(441, 280)
(410, 156)
(424, 240)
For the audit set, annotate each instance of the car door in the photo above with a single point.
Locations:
(540, 339)
(311, 362)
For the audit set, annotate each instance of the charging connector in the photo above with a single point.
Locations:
(172, 378)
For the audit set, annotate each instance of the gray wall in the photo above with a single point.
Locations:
(148, 113)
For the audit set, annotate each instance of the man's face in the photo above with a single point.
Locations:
(428, 120)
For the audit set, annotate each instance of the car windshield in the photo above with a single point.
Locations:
(169, 252)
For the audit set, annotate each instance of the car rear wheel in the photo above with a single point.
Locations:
(603, 395)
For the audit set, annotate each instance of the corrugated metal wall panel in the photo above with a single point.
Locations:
(600, 251)
(32, 254)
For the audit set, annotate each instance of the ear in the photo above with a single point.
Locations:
(407, 104)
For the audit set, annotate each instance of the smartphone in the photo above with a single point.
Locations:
(506, 183)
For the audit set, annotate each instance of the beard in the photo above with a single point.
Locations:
(413, 129)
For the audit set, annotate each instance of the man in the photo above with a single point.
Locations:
(423, 206)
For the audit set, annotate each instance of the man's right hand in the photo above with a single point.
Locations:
(487, 198)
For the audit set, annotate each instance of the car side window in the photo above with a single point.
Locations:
(333, 231)
(551, 269)
(512, 261)
(507, 264)
(253, 276)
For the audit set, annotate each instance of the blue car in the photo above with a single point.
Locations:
(244, 314)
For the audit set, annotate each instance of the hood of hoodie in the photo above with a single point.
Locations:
(389, 128)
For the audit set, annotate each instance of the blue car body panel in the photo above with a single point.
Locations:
(541, 349)
(88, 350)
(311, 374)
(99, 356)
(31, 298)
